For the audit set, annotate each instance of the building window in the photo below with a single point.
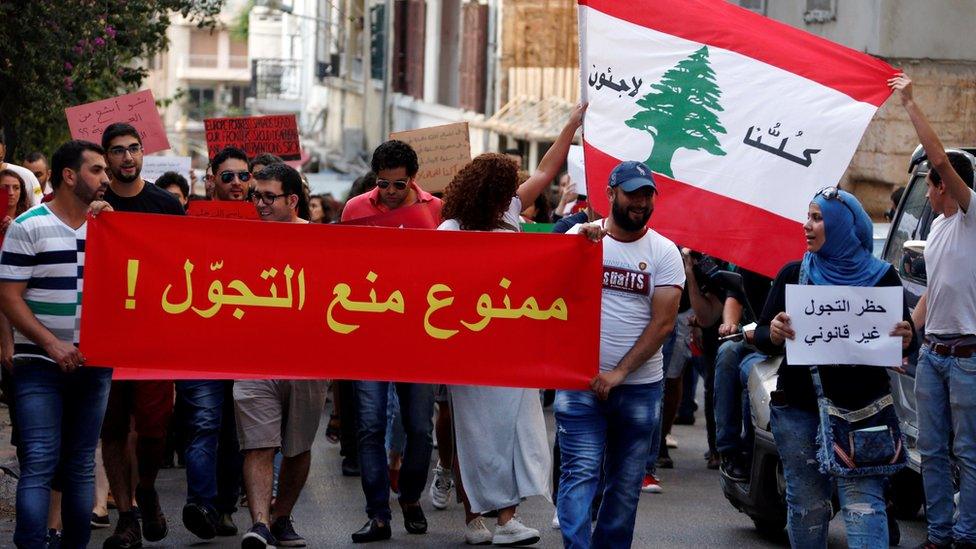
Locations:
(238, 54)
(200, 103)
(203, 49)
(237, 99)
(820, 11)
(758, 6)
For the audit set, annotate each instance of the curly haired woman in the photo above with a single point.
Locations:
(500, 433)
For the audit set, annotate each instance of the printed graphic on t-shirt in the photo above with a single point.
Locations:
(626, 280)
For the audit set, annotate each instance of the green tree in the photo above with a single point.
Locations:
(680, 112)
(60, 53)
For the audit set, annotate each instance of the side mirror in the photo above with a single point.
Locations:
(913, 260)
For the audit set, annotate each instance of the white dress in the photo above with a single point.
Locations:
(502, 446)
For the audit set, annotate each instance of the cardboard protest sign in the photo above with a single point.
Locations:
(442, 152)
(844, 325)
(155, 166)
(89, 121)
(222, 209)
(276, 134)
(420, 293)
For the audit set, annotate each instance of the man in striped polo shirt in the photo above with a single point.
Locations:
(59, 404)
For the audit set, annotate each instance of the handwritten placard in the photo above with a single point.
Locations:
(222, 209)
(155, 166)
(89, 121)
(276, 134)
(844, 325)
(442, 152)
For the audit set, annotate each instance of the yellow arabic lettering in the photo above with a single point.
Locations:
(529, 309)
(342, 292)
(177, 308)
(433, 305)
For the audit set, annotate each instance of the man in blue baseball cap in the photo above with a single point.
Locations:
(614, 421)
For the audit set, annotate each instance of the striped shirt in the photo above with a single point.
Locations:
(47, 254)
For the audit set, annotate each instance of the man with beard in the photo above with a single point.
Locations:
(643, 276)
(230, 177)
(149, 403)
(58, 401)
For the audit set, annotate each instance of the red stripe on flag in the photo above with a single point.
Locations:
(746, 235)
(723, 25)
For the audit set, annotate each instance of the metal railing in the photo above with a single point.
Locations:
(276, 79)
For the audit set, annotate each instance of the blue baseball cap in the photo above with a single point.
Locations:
(632, 175)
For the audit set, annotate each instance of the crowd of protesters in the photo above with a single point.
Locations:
(674, 321)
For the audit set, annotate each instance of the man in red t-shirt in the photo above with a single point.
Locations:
(395, 165)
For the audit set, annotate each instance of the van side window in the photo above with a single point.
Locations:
(912, 221)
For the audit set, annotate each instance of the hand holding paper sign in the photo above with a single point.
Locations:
(842, 325)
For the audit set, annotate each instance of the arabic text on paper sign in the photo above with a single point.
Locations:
(89, 121)
(844, 325)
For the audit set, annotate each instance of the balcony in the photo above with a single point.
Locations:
(276, 85)
(213, 67)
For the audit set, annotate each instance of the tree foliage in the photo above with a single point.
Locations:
(60, 53)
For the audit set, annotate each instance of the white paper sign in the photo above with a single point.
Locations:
(577, 174)
(844, 325)
(155, 166)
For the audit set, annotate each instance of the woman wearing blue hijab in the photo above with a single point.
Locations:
(839, 243)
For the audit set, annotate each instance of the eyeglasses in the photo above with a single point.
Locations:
(400, 184)
(833, 193)
(133, 149)
(228, 176)
(267, 198)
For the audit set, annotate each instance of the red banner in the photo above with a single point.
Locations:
(275, 134)
(282, 300)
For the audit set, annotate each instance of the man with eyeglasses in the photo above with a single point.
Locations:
(148, 403)
(395, 165)
(230, 177)
(277, 413)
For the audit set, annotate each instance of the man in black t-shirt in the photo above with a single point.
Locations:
(149, 403)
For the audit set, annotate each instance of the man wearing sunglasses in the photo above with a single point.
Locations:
(148, 403)
(230, 177)
(395, 165)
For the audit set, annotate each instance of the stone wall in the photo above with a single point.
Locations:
(946, 92)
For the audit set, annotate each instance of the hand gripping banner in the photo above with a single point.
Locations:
(167, 297)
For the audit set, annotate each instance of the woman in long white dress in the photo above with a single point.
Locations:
(500, 433)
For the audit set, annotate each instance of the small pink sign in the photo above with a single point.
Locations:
(88, 121)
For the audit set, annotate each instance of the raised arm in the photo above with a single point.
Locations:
(553, 160)
(938, 159)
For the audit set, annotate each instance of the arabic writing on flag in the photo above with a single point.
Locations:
(741, 118)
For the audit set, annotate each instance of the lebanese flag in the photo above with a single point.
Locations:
(743, 119)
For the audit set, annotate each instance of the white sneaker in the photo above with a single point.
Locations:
(440, 487)
(514, 532)
(555, 520)
(476, 533)
(670, 441)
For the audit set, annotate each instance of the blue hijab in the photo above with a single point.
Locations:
(845, 258)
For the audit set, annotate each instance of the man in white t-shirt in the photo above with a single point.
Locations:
(30, 180)
(945, 380)
(643, 276)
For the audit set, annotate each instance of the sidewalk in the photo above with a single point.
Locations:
(8, 484)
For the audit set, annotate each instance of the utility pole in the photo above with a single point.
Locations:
(367, 69)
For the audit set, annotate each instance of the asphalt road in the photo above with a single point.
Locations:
(691, 512)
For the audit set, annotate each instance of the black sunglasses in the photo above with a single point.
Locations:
(228, 176)
(400, 184)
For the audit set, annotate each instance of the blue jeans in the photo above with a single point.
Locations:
(615, 434)
(650, 466)
(808, 491)
(416, 411)
(213, 457)
(733, 419)
(945, 394)
(59, 418)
